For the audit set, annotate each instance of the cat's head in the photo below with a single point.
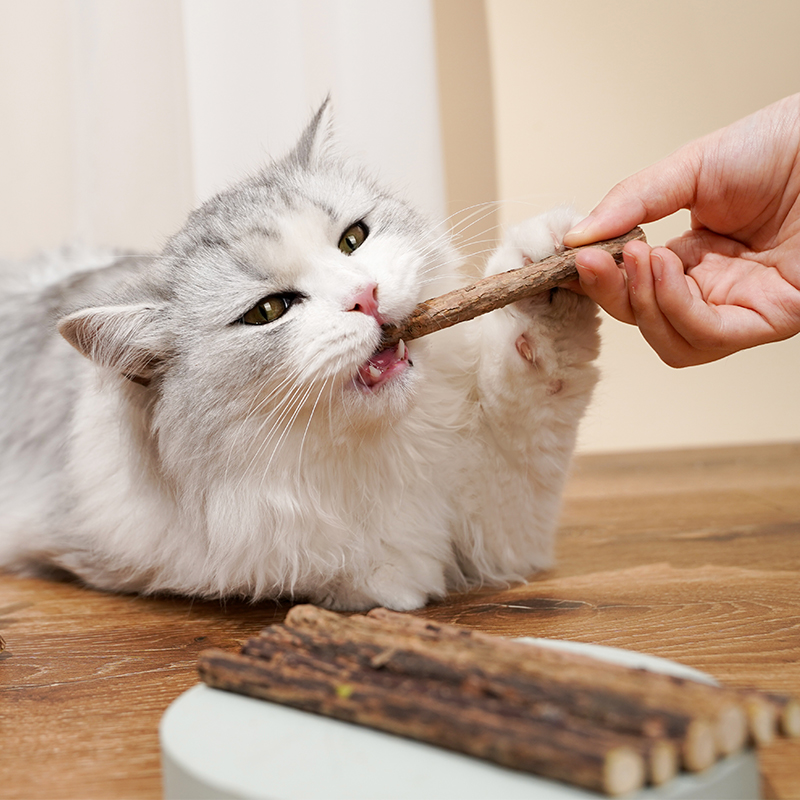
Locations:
(270, 300)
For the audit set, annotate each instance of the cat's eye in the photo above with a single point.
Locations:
(269, 309)
(353, 238)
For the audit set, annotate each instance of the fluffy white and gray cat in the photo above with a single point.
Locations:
(225, 422)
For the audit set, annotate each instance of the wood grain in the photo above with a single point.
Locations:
(690, 555)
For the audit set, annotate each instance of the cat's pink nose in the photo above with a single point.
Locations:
(366, 301)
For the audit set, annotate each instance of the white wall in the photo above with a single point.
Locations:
(587, 93)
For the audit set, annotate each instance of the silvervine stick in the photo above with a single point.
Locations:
(436, 715)
(570, 717)
(620, 699)
(497, 291)
(547, 712)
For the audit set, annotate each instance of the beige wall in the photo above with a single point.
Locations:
(586, 93)
(466, 104)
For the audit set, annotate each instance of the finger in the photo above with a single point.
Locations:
(637, 262)
(635, 295)
(693, 246)
(655, 192)
(726, 324)
(682, 304)
(602, 280)
(679, 325)
(573, 286)
(643, 267)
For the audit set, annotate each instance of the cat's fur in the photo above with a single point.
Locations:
(191, 453)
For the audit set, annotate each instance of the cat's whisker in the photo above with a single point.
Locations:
(485, 207)
(279, 408)
(308, 424)
(481, 237)
(256, 405)
(458, 230)
(346, 407)
(457, 262)
(286, 430)
(330, 411)
(276, 413)
(467, 233)
(477, 239)
(263, 443)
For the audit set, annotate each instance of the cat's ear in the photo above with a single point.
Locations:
(317, 139)
(130, 339)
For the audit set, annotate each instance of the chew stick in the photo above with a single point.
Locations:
(767, 713)
(440, 717)
(497, 291)
(626, 700)
(545, 714)
(784, 709)
(788, 713)
(728, 711)
(565, 716)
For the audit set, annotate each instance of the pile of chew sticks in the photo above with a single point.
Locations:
(564, 716)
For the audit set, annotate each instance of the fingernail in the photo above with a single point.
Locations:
(579, 232)
(656, 266)
(630, 266)
(588, 276)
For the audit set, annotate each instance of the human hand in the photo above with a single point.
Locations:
(733, 280)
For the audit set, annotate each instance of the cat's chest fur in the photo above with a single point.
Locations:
(235, 426)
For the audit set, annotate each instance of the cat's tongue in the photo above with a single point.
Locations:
(382, 367)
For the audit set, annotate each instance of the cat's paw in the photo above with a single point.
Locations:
(532, 240)
(356, 600)
(389, 586)
(554, 329)
(398, 595)
(341, 597)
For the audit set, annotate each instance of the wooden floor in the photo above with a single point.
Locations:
(694, 556)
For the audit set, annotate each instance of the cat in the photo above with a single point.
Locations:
(219, 420)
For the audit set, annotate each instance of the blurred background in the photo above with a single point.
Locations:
(118, 116)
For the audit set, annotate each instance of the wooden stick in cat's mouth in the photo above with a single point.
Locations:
(497, 291)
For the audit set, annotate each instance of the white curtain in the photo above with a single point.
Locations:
(116, 116)
(257, 68)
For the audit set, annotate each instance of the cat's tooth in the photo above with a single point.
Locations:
(401, 350)
(374, 372)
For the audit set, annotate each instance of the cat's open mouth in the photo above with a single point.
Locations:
(382, 367)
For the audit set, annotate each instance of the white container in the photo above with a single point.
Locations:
(217, 745)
